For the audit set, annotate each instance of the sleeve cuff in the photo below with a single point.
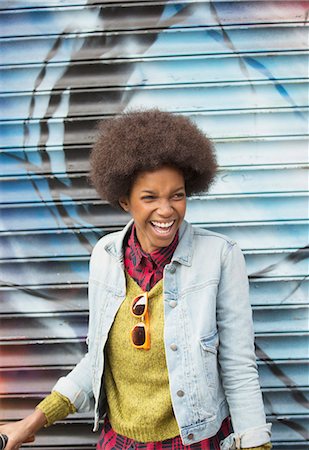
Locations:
(267, 446)
(55, 407)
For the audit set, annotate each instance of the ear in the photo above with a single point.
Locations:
(124, 203)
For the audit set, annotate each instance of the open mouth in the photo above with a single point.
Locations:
(163, 227)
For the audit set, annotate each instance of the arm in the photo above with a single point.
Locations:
(23, 430)
(55, 406)
(237, 355)
(70, 394)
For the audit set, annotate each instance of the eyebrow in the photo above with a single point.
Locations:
(149, 191)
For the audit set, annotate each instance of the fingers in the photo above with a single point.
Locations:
(6, 443)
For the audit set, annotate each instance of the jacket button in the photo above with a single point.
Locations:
(180, 393)
(190, 436)
(173, 347)
(172, 303)
(172, 269)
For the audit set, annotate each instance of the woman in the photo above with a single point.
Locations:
(170, 344)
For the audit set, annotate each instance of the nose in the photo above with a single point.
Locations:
(165, 208)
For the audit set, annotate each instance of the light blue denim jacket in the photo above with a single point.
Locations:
(208, 337)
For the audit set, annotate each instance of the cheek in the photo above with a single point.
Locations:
(182, 210)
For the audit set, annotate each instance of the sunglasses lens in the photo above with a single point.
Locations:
(139, 335)
(139, 306)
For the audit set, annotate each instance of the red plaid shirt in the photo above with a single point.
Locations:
(147, 269)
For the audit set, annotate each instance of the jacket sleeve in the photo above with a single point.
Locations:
(77, 386)
(237, 356)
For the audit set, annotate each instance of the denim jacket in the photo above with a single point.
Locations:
(208, 336)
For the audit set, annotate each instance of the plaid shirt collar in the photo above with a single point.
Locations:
(160, 257)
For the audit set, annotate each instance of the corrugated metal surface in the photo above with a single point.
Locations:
(240, 70)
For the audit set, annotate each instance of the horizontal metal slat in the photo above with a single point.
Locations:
(72, 243)
(24, 4)
(255, 152)
(42, 353)
(271, 348)
(231, 153)
(72, 433)
(77, 187)
(282, 374)
(53, 244)
(75, 270)
(286, 123)
(69, 325)
(65, 298)
(279, 292)
(133, 16)
(35, 381)
(278, 265)
(60, 433)
(255, 209)
(30, 381)
(290, 429)
(43, 299)
(204, 212)
(291, 319)
(263, 263)
(286, 402)
(75, 432)
(107, 46)
(37, 328)
(282, 346)
(154, 72)
(204, 98)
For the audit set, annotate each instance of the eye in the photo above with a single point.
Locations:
(148, 197)
(179, 195)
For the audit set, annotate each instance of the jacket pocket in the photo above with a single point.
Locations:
(209, 345)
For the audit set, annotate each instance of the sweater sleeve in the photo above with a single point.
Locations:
(55, 407)
(267, 446)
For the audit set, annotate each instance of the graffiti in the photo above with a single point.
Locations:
(239, 69)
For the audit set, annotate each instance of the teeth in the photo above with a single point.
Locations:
(162, 224)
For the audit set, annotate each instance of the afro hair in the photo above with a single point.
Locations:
(146, 140)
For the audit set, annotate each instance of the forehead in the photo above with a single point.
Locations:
(164, 177)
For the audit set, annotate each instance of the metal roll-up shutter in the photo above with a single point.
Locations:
(237, 68)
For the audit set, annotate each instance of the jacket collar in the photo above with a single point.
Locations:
(182, 254)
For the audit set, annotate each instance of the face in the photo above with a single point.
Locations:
(157, 203)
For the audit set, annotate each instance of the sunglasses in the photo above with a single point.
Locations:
(140, 335)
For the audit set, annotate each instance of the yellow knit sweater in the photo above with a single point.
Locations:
(136, 381)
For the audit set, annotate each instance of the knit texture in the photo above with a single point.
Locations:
(55, 407)
(267, 446)
(136, 381)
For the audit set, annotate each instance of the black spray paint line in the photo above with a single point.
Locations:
(296, 427)
(229, 43)
(285, 379)
(301, 254)
(28, 291)
(294, 257)
(37, 83)
(298, 285)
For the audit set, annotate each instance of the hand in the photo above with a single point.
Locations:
(24, 430)
(16, 434)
